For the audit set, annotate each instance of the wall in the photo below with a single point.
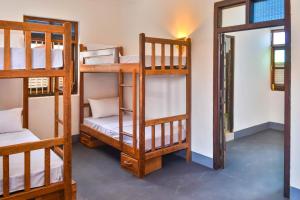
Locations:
(98, 24)
(254, 101)
(295, 96)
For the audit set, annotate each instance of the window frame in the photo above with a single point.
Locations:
(275, 47)
(75, 53)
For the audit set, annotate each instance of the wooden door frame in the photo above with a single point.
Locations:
(218, 152)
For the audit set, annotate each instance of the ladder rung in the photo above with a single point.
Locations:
(123, 85)
(126, 109)
(60, 121)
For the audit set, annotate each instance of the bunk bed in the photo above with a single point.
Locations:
(142, 142)
(33, 168)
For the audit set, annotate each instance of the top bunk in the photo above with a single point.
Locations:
(157, 56)
(26, 61)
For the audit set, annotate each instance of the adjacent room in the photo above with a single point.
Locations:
(149, 99)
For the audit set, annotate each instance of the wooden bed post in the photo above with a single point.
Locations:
(25, 103)
(142, 41)
(189, 99)
(67, 113)
(56, 106)
(81, 96)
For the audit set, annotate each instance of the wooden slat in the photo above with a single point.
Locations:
(121, 98)
(163, 57)
(27, 167)
(31, 74)
(28, 50)
(172, 56)
(30, 146)
(48, 45)
(171, 133)
(60, 121)
(180, 57)
(165, 41)
(180, 131)
(165, 151)
(5, 175)
(165, 120)
(6, 49)
(167, 72)
(47, 167)
(162, 135)
(56, 106)
(134, 107)
(153, 56)
(153, 137)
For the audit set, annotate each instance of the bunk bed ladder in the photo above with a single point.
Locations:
(123, 110)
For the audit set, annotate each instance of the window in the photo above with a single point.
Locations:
(278, 60)
(45, 86)
(267, 10)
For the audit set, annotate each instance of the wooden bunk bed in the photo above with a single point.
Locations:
(60, 146)
(142, 155)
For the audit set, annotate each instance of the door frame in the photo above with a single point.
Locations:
(218, 150)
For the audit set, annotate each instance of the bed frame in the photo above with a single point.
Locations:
(61, 145)
(133, 158)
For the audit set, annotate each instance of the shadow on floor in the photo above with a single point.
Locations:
(254, 171)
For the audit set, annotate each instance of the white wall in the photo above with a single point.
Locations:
(254, 101)
(98, 23)
(295, 96)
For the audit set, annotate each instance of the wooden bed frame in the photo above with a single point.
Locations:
(65, 189)
(134, 158)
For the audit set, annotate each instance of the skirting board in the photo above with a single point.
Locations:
(258, 128)
(295, 194)
(198, 158)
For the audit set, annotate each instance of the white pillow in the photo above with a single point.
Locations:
(11, 120)
(104, 107)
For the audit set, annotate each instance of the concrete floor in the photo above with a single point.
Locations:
(254, 171)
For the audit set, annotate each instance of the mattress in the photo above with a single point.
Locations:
(18, 60)
(16, 169)
(148, 59)
(110, 127)
(100, 60)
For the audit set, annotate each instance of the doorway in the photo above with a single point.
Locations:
(250, 22)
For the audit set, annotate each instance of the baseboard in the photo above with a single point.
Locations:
(198, 158)
(294, 193)
(75, 138)
(258, 128)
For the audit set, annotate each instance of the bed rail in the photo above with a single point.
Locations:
(28, 28)
(26, 149)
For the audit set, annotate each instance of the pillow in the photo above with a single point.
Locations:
(11, 120)
(104, 107)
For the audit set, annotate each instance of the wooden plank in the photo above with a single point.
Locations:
(165, 41)
(7, 49)
(25, 103)
(6, 175)
(189, 100)
(28, 50)
(180, 57)
(23, 26)
(167, 72)
(171, 56)
(153, 138)
(121, 99)
(163, 57)
(48, 45)
(27, 167)
(134, 106)
(31, 74)
(110, 68)
(47, 167)
(56, 106)
(153, 56)
(171, 133)
(180, 131)
(81, 98)
(30, 146)
(162, 135)
(165, 120)
(165, 151)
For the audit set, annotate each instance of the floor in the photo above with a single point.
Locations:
(254, 171)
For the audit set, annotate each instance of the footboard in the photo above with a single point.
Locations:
(172, 146)
(26, 149)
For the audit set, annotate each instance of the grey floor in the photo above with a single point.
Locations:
(254, 171)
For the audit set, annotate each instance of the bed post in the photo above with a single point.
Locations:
(189, 99)
(67, 113)
(81, 96)
(25, 103)
(142, 41)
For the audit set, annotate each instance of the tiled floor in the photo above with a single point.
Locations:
(254, 171)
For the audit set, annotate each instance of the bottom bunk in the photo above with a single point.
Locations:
(97, 131)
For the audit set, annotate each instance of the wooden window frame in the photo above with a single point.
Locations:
(274, 86)
(75, 53)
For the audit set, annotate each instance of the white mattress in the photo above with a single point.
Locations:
(100, 60)
(37, 163)
(110, 127)
(18, 60)
(136, 59)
